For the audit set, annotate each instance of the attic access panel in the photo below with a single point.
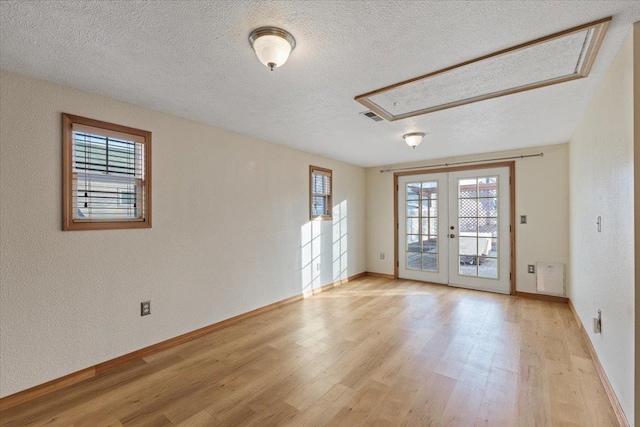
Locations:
(556, 58)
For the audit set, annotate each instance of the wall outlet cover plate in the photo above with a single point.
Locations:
(145, 308)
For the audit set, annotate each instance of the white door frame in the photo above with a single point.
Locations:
(512, 199)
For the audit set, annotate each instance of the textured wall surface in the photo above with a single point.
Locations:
(601, 184)
(541, 194)
(230, 234)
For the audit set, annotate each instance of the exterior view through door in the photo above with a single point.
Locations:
(454, 228)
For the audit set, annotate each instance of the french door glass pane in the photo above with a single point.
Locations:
(468, 226)
(478, 226)
(413, 225)
(413, 243)
(413, 208)
(467, 188)
(430, 226)
(430, 262)
(488, 225)
(488, 187)
(414, 261)
(413, 191)
(488, 267)
(468, 266)
(430, 245)
(433, 209)
(421, 234)
(468, 208)
(488, 207)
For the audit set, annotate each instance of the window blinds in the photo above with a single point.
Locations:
(108, 174)
(320, 193)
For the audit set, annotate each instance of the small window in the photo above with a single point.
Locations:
(320, 193)
(106, 175)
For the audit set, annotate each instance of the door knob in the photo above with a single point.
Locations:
(452, 235)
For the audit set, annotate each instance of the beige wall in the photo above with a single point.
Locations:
(230, 234)
(601, 173)
(542, 194)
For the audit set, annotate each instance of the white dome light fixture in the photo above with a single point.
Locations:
(272, 45)
(413, 139)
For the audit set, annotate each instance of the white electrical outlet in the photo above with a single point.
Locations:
(381, 255)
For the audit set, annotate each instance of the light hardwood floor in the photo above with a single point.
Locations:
(373, 352)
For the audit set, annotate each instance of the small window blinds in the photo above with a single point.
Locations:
(108, 174)
(320, 197)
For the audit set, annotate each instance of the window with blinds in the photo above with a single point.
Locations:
(320, 193)
(106, 175)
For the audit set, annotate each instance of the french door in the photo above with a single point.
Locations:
(454, 228)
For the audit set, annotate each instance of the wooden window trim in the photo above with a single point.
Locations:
(142, 136)
(329, 216)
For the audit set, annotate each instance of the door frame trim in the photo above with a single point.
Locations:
(512, 204)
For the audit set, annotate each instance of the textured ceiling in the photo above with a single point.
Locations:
(192, 59)
(537, 63)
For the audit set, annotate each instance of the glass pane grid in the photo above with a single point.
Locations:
(421, 227)
(478, 227)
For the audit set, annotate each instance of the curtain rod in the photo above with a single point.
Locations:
(461, 163)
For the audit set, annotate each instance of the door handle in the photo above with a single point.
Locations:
(452, 235)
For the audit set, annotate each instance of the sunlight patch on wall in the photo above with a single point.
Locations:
(311, 254)
(340, 257)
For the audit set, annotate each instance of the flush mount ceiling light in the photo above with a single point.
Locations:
(272, 45)
(413, 139)
(556, 58)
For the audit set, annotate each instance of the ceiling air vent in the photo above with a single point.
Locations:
(373, 116)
